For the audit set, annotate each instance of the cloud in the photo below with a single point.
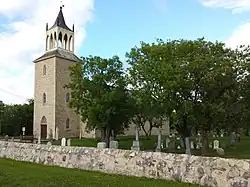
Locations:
(239, 36)
(22, 39)
(237, 6)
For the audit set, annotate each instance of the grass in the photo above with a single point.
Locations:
(240, 150)
(22, 174)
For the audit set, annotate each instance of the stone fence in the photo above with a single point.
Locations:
(209, 171)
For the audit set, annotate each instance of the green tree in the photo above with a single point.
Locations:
(99, 95)
(14, 117)
(153, 101)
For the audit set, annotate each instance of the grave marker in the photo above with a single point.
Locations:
(69, 142)
(113, 144)
(216, 144)
(63, 142)
(101, 145)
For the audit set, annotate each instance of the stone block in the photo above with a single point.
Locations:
(101, 145)
(113, 144)
(136, 145)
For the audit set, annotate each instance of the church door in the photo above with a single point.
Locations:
(43, 131)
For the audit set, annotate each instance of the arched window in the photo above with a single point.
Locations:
(67, 123)
(44, 98)
(65, 41)
(60, 40)
(67, 98)
(44, 69)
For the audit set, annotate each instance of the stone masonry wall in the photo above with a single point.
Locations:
(192, 169)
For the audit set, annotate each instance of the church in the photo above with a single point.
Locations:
(52, 116)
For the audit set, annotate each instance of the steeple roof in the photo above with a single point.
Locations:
(60, 21)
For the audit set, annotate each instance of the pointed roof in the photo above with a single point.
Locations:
(60, 21)
(60, 53)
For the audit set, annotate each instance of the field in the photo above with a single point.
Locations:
(21, 174)
(239, 150)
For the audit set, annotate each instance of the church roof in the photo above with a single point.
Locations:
(60, 21)
(61, 53)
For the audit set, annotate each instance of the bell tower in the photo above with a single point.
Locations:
(52, 116)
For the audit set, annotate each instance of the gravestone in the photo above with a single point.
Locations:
(158, 148)
(49, 143)
(113, 144)
(6, 138)
(178, 147)
(192, 144)
(101, 145)
(216, 144)
(232, 138)
(12, 139)
(172, 145)
(39, 140)
(187, 144)
(167, 142)
(198, 146)
(69, 142)
(211, 145)
(220, 151)
(63, 142)
(23, 130)
(136, 145)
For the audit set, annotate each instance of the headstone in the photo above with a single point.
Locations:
(113, 144)
(192, 144)
(136, 134)
(136, 145)
(158, 148)
(39, 140)
(69, 142)
(216, 144)
(101, 145)
(232, 138)
(63, 142)
(187, 144)
(198, 146)
(23, 130)
(6, 138)
(220, 151)
(49, 143)
(211, 145)
(57, 133)
(12, 139)
(167, 142)
(172, 145)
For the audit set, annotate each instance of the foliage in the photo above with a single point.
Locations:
(14, 117)
(201, 80)
(153, 102)
(99, 94)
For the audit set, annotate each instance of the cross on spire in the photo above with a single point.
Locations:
(62, 5)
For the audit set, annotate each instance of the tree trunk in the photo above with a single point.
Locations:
(103, 134)
(107, 138)
(204, 141)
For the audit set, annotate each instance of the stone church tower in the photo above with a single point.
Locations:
(52, 116)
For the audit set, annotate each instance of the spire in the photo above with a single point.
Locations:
(60, 21)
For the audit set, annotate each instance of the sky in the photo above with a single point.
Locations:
(107, 28)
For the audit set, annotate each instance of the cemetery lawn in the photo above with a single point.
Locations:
(22, 174)
(240, 150)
